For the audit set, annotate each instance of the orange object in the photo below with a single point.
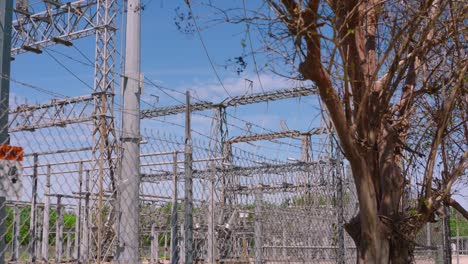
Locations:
(11, 153)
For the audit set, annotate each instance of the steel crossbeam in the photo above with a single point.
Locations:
(230, 102)
(236, 171)
(56, 23)
(275, 135)
(61, 112)
(58, 112)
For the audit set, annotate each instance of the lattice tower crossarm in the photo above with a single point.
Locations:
(275, 135)
(58, 112)
(237, 171)
(77, 110)
(57, 23)
(233, 101)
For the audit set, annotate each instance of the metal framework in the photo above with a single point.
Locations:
(61, 112)
(235, 171)
(58, 112)
(61, 23)
(57, 23)
(104, 135)
(275, 135)
(233, 101)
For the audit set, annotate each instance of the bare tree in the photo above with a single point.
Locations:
(392, 76)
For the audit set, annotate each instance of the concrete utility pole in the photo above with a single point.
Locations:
(6, 16)
(130, 173)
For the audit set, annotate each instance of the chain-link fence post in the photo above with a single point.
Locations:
(16, 232)
(174, 231)
(340, 201)
(211, 221)
(79, 218)
(46, 215)
(86, 220)
(258, 247)
(2, 228)
(188, 187)
(154, 244)
(59, 230)
(447, 251)
(33, 220)
(458, 237)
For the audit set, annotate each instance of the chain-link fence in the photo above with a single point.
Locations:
(244, 208)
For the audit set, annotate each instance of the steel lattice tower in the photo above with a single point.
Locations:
(104, 135)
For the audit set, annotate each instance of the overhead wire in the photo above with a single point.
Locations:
(251, 47)
(205, 48)
(163, 88)
(67, 69)
(33, 86)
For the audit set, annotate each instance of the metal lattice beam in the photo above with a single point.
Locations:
(236, 171)
(61, 112)
(275, 135)
(56, 23)
(234, 101)
(58, 112)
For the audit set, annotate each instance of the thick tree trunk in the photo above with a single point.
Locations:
(388, 249)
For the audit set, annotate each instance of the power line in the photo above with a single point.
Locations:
(35, 87)
(251, 47)
(67, 69)
(205, 48)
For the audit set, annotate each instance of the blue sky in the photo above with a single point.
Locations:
(170, 59)
(177, 61)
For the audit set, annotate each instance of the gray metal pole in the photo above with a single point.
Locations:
(2, 229)
(78, 216)
(174, 233)
(341, 220)
(258, 250)
(446, 232)
(6, 16)
(129, 184)
(182, 243)
(39, 226)
(154, 245)
(86, 222)
(16, 233)
(211, 219)
(32, 223)
(458, 238)
(59, 231)
(46, 215)
(188, 186)
(68, 249)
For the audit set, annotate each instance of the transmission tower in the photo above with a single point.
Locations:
(104, 137)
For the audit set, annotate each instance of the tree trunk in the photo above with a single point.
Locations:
(391, 248)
